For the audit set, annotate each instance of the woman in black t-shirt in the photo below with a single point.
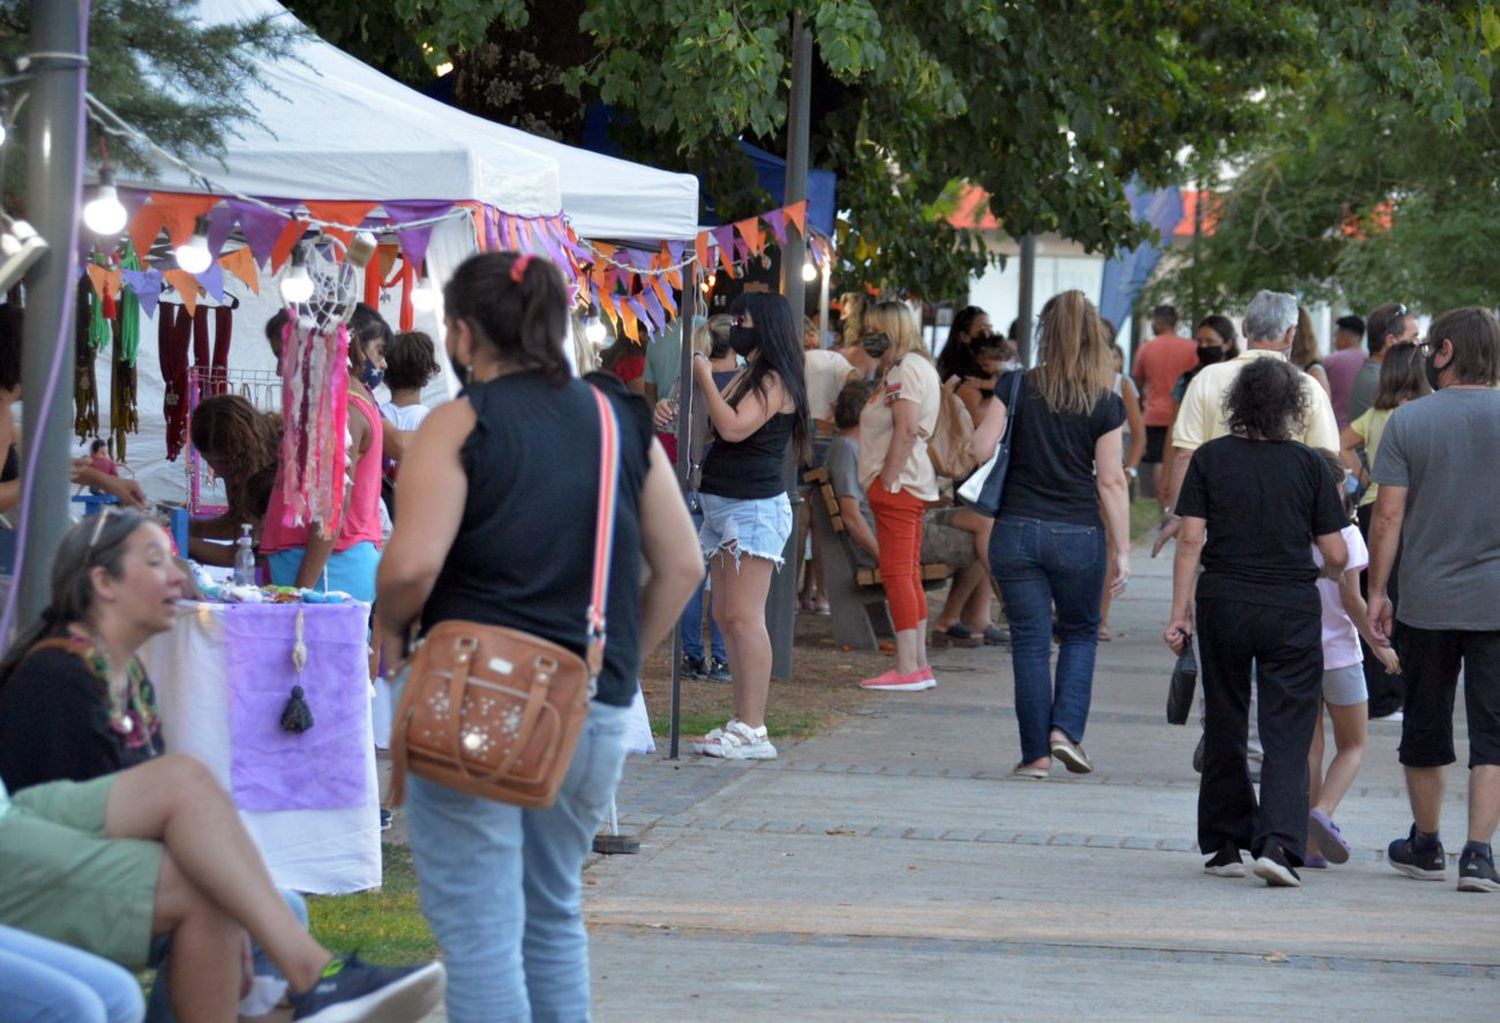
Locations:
(497, 499)
(1261, 500)
(1051, 546)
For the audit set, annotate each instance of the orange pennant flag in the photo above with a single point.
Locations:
(726, 258)
(181, 212)
(186, 286)
(700, 245)
(99, 278)
(607, 303)
(749, 230)
(797, 214)
(350, 214)
(241, 263)
(290, 236)
(145, 226)
(632, 325)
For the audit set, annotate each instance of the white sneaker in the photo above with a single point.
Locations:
(737, 741)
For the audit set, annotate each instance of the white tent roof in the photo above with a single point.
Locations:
(339, 129)
(333, 127)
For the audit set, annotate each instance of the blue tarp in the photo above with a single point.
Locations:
(1127, 273)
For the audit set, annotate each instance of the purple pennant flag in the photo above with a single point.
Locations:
(212, 280)
(643, 314)
(261, 227)
(675, 250)
(724, 237)
(414, 241)
(146, 286)
(653, 306)
(492, 218)
(777, 220)
(221, 221)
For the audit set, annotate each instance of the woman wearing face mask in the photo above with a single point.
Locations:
(747, 517)
(347, 557)
(960, 360)
(1217, 342)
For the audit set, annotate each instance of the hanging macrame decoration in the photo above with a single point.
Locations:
(315, 409)
(85, 388)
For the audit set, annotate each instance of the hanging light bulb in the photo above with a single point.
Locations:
(809, 271)
(426, 298)
(595, 331)
(194, 257)
(105, 214)
(2, 133)
(296, 285)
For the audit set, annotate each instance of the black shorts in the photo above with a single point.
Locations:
(1430, 663)
(1156, 442)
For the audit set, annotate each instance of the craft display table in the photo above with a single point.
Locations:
(223, 676)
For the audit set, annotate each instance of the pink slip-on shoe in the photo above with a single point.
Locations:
(894, 682)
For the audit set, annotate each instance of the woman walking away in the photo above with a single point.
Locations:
(496, 528)
(1345, 620)
(1262, 500)
(747, 516)
(900, 481)
(1304, 354)
(1065, 509)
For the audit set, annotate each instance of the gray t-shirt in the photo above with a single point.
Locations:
(1362, 394)
(843, 472)
(1442, 447)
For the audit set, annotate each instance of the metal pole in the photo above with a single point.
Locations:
(1028, 286)
(686, 395)
(823, 297)
(781, 605)
(54, 185)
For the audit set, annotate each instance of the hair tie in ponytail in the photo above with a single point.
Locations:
(518, 268)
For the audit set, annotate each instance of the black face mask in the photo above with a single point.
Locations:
(459, 370)
(743, 340)
(1207, 356)
(1432, 371)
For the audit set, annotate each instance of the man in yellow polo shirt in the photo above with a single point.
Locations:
(1269, 325)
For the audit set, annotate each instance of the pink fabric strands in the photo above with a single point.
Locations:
(315, 407)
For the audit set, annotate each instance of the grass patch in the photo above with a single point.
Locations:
(1145, 516)
(384, 926)
(791, 725)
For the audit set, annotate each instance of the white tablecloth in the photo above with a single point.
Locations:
(318, 851)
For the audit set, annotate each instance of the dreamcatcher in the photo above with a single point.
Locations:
(315, 379)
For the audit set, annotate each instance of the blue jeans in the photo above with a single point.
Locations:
(692, 615)
(44, 981)
(159, 1008)
(502, 886)
(1038, 565)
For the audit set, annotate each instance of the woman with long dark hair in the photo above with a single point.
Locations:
(497, 501)
(1063, 526)
(241, 445)
(958, 363)
(747, 516)
(1262, 501)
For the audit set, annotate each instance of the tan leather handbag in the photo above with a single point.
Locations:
(497, 712)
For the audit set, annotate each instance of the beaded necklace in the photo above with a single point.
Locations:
(134, 718)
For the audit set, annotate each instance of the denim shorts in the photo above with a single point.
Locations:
(759, 527)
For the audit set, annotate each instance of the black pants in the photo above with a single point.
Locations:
(1432, 659)
(1387, 691)
(1286, 648)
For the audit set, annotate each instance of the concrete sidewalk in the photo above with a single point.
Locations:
(890, 870)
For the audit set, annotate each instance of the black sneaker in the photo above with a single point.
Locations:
(1424, 861)
(692, 667)
(351, 990)
(385, 819)
(1476, 869)
(1198, 754)
(1226, 863)
(718, 671)
(1272, 867)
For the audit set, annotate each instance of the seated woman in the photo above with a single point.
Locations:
(239, 443)
(119, 855)
(44, 981)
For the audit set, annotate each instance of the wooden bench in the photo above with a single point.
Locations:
(861, 617)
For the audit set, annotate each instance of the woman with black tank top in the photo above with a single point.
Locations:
(747, 516)
(497, 499)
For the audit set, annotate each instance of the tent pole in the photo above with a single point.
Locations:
(54, 184)
(685, 402)
(781, 605)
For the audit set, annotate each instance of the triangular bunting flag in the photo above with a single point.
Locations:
(212, 281)
(145, 226)
(700, 246)
(261, 227)
(186, 286)
(629, 322)
(797, 214)
(777, 221)
(241, 263)
(146, 286)
(724, 239)
(607, 303)
(291, 234)
(349, 214)
(180, 213)
(99, 278)
(755, 239)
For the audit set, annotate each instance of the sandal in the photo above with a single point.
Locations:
(958, 634)
(737, 741)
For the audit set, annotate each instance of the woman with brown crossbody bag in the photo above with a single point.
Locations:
(526, 508)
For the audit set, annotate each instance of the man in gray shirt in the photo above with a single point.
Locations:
(1438, 496)
(1390, 324)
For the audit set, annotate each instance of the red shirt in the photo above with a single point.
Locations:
(1157, 366)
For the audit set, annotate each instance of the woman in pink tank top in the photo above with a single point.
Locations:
(348, 560)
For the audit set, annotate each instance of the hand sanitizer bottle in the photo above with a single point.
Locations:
(244, 558)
